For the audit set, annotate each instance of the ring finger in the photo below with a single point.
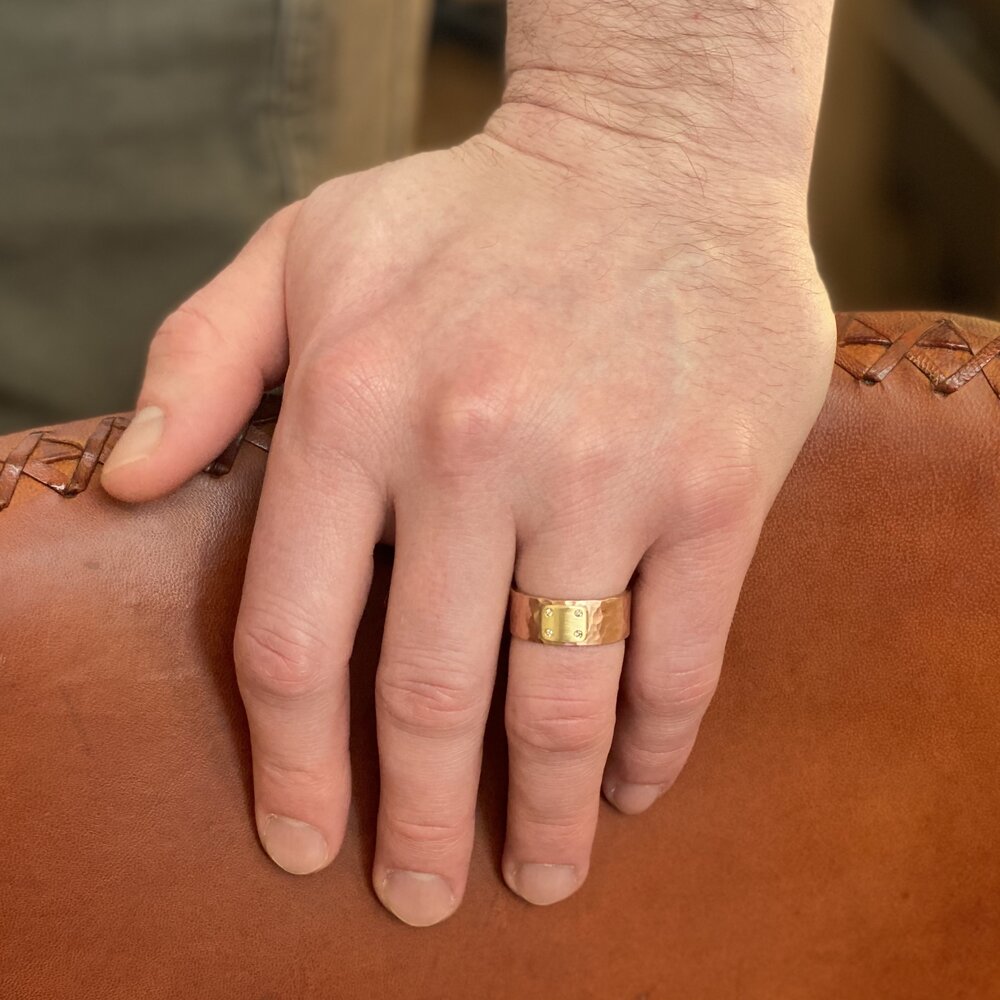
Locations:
(560, 717)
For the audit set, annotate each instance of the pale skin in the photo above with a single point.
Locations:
(579, 351)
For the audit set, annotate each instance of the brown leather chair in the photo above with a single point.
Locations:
(835, 835)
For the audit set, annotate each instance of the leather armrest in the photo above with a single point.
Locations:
(834, 835)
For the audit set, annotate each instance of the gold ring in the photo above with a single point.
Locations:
(570, 623)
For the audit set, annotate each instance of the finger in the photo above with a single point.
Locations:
(560, 717)
(682, 606)
(208, 364)
(447, 605)
(308, 574)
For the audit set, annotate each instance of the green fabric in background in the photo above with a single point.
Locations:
(142, 142)
(137, 153)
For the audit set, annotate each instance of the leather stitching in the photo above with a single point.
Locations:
(67, 466)
(948, 355)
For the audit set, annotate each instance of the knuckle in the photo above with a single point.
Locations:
(673, 697)
(189, 332)
(294, 774)
(659, 762)
(563, 827)
(338, 399)
(595, 456)
(722, 491)
(429, 700)
(278, 660)
(588, 473)
(421, 834)
(547, 724)
(331, 386)
(665, 714)
(468, 425)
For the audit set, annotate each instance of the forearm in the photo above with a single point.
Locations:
(715, 78)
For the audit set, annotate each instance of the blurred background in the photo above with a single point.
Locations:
(141, 143)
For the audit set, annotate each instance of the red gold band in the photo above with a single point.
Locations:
(570, 623)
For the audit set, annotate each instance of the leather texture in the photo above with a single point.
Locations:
(834, 835)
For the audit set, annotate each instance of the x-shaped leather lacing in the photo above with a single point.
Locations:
(45, 456)
(947, 355)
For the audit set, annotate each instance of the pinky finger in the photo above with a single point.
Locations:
(683, 604)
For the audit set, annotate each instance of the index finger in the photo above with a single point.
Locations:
(307, 580)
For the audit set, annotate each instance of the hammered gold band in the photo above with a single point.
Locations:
(570, 623)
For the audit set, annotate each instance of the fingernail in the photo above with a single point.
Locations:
(632, 799)
(293, 845)
(138, 440)
(545, 884)
(417, 898)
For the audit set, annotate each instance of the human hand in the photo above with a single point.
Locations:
(550, 368)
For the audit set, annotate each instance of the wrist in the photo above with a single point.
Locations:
(658, 90)
(716, 185)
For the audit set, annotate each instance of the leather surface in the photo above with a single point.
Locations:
(834, 835)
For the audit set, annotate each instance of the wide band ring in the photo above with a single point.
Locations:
(570, 623)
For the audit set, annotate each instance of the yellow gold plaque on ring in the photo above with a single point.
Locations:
(570, 623)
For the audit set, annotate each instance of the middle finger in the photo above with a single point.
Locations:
(450, 580)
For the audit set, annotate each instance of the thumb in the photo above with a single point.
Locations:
(208, 365)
